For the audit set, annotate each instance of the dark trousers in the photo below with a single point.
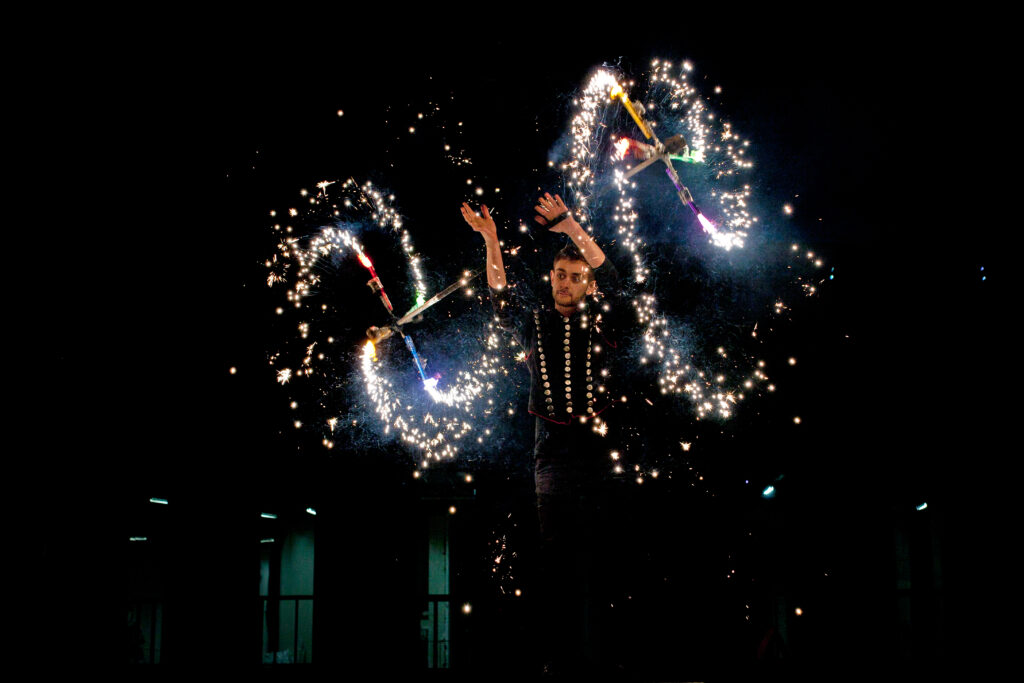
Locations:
(570, 508)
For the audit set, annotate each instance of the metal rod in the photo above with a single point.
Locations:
(639, 167)
(440, 295)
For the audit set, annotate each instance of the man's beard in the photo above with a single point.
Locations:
(567, 299)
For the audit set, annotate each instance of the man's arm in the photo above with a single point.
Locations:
(553, 211)
(484, 225)
(500, 294)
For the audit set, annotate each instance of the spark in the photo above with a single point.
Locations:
(670, 92)
(456, 403)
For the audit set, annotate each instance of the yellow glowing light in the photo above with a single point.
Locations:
(232, 370)
(617, 91)
(451, 510)
(798, 611)
(467, 608)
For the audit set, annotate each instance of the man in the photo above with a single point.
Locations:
(568, 346)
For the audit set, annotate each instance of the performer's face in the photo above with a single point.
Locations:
(570, 282)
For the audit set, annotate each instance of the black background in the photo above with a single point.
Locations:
(182, 147)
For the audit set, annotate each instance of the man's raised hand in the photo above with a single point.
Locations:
(483, 223)
(549, 209)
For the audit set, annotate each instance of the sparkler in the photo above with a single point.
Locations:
(617, 91)
(673, 148)
(377, 334)
(421, 307)
(435, 428)
(374, 284)
(682, 109)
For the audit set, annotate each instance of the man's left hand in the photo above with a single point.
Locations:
(550, 208)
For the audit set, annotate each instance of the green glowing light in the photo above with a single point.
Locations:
(694, 156)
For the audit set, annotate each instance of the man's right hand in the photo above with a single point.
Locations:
(483, 224)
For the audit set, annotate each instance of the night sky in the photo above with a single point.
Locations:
(897, 363)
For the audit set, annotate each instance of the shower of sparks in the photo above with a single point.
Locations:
(434, 429)
(437, 417)
(598, 159)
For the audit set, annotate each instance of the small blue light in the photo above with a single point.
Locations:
(160, 501)
(769, 492)
(983, 267)
(922, 506)
(983, 277)
(831, 277)
(268, 515)
(311, 511)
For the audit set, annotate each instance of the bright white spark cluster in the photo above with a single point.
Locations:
(444, 411)
(600, 138)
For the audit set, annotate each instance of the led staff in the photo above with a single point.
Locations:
(377, 334)
(674, 147)
(374, 333)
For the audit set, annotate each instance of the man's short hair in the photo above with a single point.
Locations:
(568, 253)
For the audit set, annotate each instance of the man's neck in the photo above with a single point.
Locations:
(566, 311)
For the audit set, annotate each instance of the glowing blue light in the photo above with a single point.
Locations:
(922, 506)
(266, 540)
(769, 492)
(268, 515)
(138, 538)
(161, 501)
(311, 511)
(430, 384)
